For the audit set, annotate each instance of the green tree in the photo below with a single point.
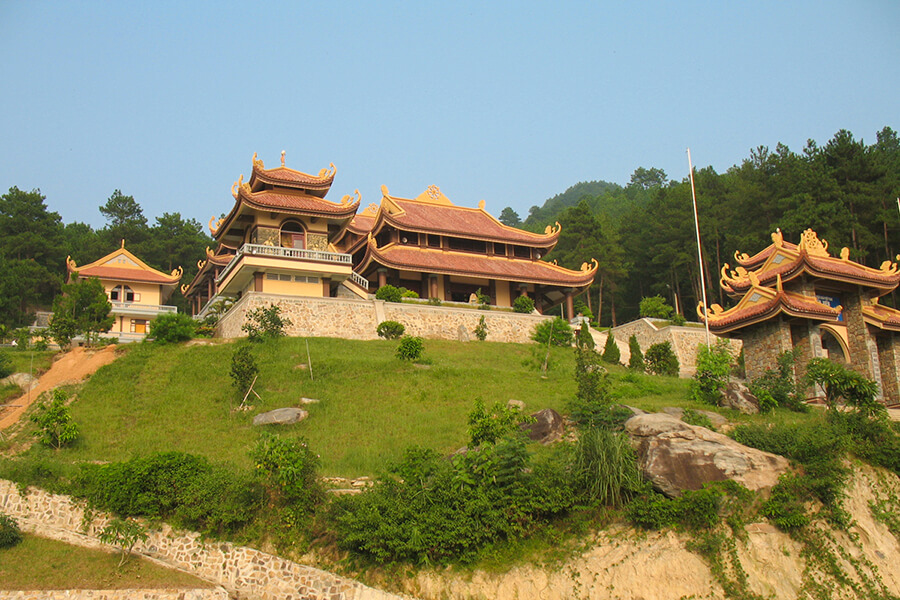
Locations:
(713, 369)
(81, 308)
(510, 217)
(172, 327)
(636, 360)
(611, 352)
(661, 359)
(655, 307)
(123, 533)
(125, 221)
(55, 425)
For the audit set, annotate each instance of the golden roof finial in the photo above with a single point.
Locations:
(282, 158)
(384, 191)
(71, 263)
(123, 243)
(348, 197)
(481, 204)
(778, 238)
(184, 288)
(178, 272)
(257, 162)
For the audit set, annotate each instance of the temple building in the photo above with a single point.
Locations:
(136, 291)
(283, 237)
(798, 296)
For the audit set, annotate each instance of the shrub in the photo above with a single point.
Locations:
(410, 348)
(484, 301)
(696, 510)
(55, 425)
(172, 327)
(692, 417)
(636, 360)
(405, 293)
(481, 329)
(243, 369)
(655, 307)
(605, 468)
(711, 377)
(123, 533)
(389, 293)
(288, 471)
(591, 406)
(840, 382)
(611, 352)
(661, 360)
(10, 534)
(390, 330)
(523, 304)
(265, 323)
(584, 339)
(558, 328)
(488, 427)
(778, 383)
(434, 301)
(6, 366)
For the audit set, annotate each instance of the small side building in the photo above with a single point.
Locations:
(136, 291)
(798, 296)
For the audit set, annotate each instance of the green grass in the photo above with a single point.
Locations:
(31, 361)
(43, 564)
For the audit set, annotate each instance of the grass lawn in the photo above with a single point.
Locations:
(43, 564)
(30, 361)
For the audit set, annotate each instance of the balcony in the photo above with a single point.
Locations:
(279, 252)
(133, 308)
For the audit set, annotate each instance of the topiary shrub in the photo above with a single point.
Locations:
(523, 304)
(481, 329)
(172, 327)
(661, 360)
(611, 352)
(558, 328)
(410, 348)
(10, 534)
(636, 360)
(389, 293)
(390, 330)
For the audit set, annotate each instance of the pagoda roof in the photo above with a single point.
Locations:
(761, 303)
(449, 262)
(883, 317)
(751, 262)
(122, 265)
(432, 212)
(316, 185)
(220, 258)
(788, 261)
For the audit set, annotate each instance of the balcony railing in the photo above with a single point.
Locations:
(134, 307)
(279, 252)
(359, 280)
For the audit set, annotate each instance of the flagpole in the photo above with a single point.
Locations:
(699, 251)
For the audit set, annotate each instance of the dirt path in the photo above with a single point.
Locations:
(73, 367)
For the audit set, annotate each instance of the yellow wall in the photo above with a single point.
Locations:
(293, 288)
(149, 292)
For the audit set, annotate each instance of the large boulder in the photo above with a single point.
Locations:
(23, 380)
(280, 416)
(676, 456)
(548, 427)
(736, 395)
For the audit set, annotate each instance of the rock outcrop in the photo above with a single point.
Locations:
(549, 426)
(280, 416)
(676, 456)
(736, 395)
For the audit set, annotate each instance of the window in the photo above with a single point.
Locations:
(522, 252)
(434, 241)
(123, 293)
(293, 235)
(138, 326)
(467, 245)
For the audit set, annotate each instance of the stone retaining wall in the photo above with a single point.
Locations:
(243, 572)
(215, 594)
(358, 319)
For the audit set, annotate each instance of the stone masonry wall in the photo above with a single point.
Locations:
(200, 594)
(358, 319)
(762, 343)
(243, 572)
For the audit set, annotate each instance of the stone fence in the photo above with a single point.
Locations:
(684, 340)
(358, 319)
(243, 572)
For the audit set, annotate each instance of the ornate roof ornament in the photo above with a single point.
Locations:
(481, 204)
(200, 264)
(777, 238)
(258, 163)
(71, 263)
(184, 288)
(810, 242)
(384, 191)
(331, 171)
(754, 278)
(282, 158)
(434, 192)
(214, 228)
(178, 272)
(591, 266)
(549, 230)
(371, 210)
(888, 267)
(346, 199)
(209, 253)
(237, 185)
(371, 240)
(738, 274)
(741, 256)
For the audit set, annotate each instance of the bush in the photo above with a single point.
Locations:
(655, 307)
(124, 534)
(434, 301)
(265, 323)
(661, 360)
(54, 421)
(390, 330)
(389, 293)
(6, 366)
(288, 471)
(488, 427)
(523, 304)
(410, 348)
(777, 385)
(243, 369)
(696, 510)
(713, 369)
(558, 328)
(405, 293)
(636, 360)
(10, 534)
(481, 329)
(840, 382)
(605, 467)
(611, 352)
(172, 327)
(591, 406)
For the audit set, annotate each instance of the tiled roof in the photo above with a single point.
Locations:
(882, 317)
(818, 266)
(132, 269)
(770, 302)
(475, 265)
(285, 177)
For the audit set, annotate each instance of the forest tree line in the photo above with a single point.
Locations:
(643, 233)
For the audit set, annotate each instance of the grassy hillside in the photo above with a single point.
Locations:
(372, 405)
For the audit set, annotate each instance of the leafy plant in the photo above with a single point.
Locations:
(265, 322)
(410, 348)
(389, 293)
(481, 330)
(636, 360)
(243, 369)
(692, 417)
(713, 369)
(558, 332)
(10, 534)
(82, 307)
(611, 352)
(390, 330)
(484, 301)
(170, 328)
(840, 382)
(405, 293)
(55, 425)
(434, 301)
(487, 427)
(591, 406)
(523, 304)
(584, 339)
(6, 366)
(655, 307)
(605, 468)
(288, 471)
(123, 533)
(661, 360)
(778, 384)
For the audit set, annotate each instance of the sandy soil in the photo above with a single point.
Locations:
(72, 367)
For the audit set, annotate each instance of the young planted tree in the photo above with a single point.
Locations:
(55, 425)
(81, 308)
(611, 352)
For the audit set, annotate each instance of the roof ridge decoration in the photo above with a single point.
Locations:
(71, 266)
(434, 195)
(213, 229)
(370, 211)
(549, 229)
(237, 185)
(346, 198)
(811, 243)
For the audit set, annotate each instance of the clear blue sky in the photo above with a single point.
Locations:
(510, 102)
